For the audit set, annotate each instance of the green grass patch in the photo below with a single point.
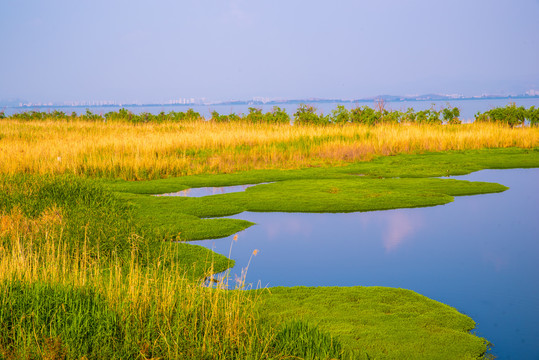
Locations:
(99, 222)
(386, 183)
(50, 321)
(415, 165)
(379, 323)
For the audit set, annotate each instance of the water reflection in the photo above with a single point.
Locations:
(398, 227)
(498, 260)
(478, 254)
(206, 191)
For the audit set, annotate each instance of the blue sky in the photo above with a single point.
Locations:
(153, 51)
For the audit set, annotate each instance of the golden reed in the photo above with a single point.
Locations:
(150, 151)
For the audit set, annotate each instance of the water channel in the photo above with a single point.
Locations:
(479, 254)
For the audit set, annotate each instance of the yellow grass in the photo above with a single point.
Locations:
(33, 251)
(149, 151)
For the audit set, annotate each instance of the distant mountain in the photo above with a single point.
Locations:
(388, 98)
(15, 102)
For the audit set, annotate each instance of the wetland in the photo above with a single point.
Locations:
(88, 253)
(477, 253)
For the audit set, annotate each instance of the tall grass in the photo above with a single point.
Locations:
(63, 297)
(88, 213)
(149, 151)
(78, 306)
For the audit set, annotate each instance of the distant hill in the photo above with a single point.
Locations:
(531, 94)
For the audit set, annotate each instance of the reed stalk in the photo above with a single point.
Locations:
(150, 151)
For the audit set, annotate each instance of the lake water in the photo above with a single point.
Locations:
(468, 108)
(206, 191)
(479, 254)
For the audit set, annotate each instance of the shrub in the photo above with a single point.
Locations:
(277, 116)
(533, 116)
(451, 115)
(365, 115)
(306, 115)
(409, 116)
(255, 115)
(510, 115)
(340, 115)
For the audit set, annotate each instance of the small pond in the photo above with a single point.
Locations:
(479, 254)
(206, 191)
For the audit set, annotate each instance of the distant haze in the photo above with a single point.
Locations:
(154, 51)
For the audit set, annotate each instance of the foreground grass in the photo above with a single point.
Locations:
(55, 304)
(118, 294)
(66, 296)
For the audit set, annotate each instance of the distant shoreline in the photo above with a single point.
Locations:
(386, 98)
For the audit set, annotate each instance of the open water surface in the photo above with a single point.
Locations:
(206, 191)
(479, 254)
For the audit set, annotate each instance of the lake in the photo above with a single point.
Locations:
(468, 108)
(478, 254)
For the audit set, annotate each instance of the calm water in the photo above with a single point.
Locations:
(206, 191)
(468, 108)
(479, 254)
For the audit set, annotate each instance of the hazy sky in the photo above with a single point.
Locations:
(157, 50)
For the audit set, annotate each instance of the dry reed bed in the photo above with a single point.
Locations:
(149, 151)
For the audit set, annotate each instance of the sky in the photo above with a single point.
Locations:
(155, 51)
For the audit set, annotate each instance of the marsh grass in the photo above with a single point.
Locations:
(81, 277)
(107, 309)
(63, 297)
(151, 151)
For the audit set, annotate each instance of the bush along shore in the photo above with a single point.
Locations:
(305, 114)
(87, 268)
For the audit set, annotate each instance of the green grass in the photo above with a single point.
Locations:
(65, 322)
(58, 319)
(385, 183)
(379, 323)
(416, 165)
(182, 216)
(98, 220)
(65, 296)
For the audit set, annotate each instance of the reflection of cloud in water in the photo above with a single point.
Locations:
(208, 191)
(286, 226)
(396, 226)
(400, 226)
(496, 259)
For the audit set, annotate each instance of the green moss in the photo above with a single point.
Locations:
(377, 322)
